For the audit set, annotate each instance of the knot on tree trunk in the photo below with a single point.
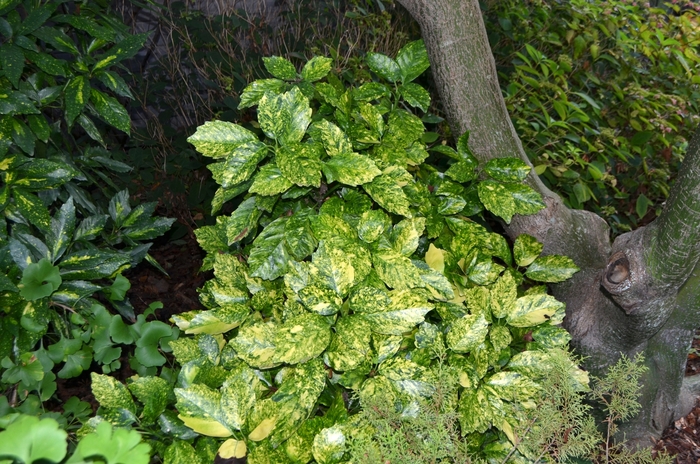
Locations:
(626, 278)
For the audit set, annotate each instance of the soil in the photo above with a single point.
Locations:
(182, 260)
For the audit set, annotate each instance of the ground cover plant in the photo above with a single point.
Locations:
(353, 275)
(67, 230)
(604, 96)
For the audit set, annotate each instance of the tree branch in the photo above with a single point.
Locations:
(674, 242)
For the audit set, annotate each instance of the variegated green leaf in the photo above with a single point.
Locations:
(463, 170)
(404, 129)
(200, 409)
(396, 270)
(412, 60)
(335, 268)
(369, 300)
(220, 139)
(531, 310)
(551, 336)
(500, 337)
(284, 117)
(316, 68)
(12, 60)
(474, 411)
(243, 221)
(255, 344)
(406, 234)
(32, 208)
(300, 164)
(526, 249)
(239, 165)
(76, 97)
(320, 300)
(335, 141)
(350, 345)
(238, 396)
(507, 169)
(269, 258)
(270, 181)
(301, 338)
(111, 393)
(405, 311)
(389, 195)
(485, 271)
(62, 227)
(384, 66)
(497, 199)
(415, 95)
(467, 333)
(552, 268)
(503, 295)
(329, 446)
(526, 200)
(110, 110)
(372, 225)
(255, 90)
(153, 393)
(350, 169)
(371, 91)
(512, 385)
(279, 67)
(299, 236)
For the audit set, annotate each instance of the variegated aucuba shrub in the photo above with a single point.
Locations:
(353, 270)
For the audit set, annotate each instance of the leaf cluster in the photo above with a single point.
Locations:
(604, 96)
(350, 273)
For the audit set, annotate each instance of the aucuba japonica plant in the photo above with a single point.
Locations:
(353, 270)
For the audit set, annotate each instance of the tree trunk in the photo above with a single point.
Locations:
(640, 293)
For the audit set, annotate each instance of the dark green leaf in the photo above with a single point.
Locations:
(110, 110)
(12, 60)
(124, 49)
(384, 66)
(76, 97)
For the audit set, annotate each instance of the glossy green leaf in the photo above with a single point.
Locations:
(255, 344)
(12, 60)
(388, 194)
(551, 268)
(474, 411)
(415, 95)
(284, 117)
(280, 68)
(371, 91)
(300, 164)
(350, 169)
(270, 181)
(39, 126)
(255, 90)
(88, 25)
(243, 221)
(526, 200)
(412, 60)
(220, 139)
(32, 208)
(507, 169)
(12, 102)
(301, 338)
(497, 199)
(240, 165)
(526, 249)
(316, 68)
(153, 393)
(406, 234)
(384, 66)
(111, 393)
(110, 110)
(467, 333)
(350, 345)
(402, 315)
(269, 258)
(57, 38)
(329, 446)
(115, 83)
(531, 310)
(51, 66)
(335, 141)
(200, 409)
(77, 94)
(238, 396)
(372, 225)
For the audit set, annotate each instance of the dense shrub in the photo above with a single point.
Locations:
(604, 95)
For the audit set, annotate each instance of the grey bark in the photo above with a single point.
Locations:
(640, 293)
